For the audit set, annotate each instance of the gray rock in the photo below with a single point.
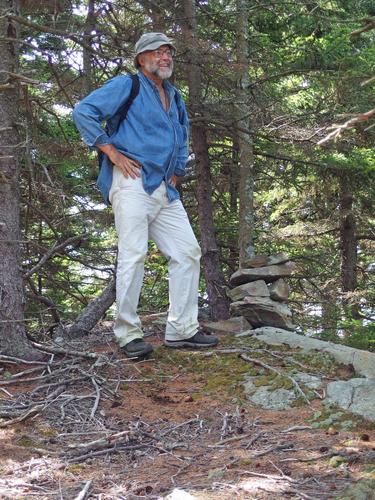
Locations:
(362, 361)
(256, 261)
(261, 311)
(267, 273)
(238, 324)
(279, 290)
(356, 395)
(254, 289)
(310, 381)
(264, 260)
(279, 399)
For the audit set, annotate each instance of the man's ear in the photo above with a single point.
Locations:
(141, 60)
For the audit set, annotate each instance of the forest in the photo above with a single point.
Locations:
(280, 99)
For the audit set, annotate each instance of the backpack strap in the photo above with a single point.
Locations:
(123, 111)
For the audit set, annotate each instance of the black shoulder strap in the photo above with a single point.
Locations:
(123, 111)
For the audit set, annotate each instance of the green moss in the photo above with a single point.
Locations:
(330, 416)
(75, 468)
(27, 442)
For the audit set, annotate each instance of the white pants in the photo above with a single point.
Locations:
(138, 218)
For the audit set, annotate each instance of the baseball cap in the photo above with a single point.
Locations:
(151, 41)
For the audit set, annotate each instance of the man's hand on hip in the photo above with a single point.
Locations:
(130, 168)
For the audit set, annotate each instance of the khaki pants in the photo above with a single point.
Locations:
(138, 218)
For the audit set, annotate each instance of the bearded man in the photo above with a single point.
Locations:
(144, 155)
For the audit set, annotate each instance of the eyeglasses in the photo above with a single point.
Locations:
(161, 53)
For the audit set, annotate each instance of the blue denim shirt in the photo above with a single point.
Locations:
(156, 138)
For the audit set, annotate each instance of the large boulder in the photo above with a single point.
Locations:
(253, 289)
(267, 273)
(363, 362)
(260, 311)
(279, 290)
(356, 395)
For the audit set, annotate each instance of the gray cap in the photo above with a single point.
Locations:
(151, 41)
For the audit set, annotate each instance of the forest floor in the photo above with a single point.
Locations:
(177, 425)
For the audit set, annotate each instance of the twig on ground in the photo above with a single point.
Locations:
(297, 428)
(30, 413)
(255, 438)
(168, 431)
(278, 447)
(61, 350)
(219, 444)
(84, 492)
(97, 399)
(12, 359)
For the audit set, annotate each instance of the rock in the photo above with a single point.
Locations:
(256, 261)
(362, 361)
(254, 289)
(238, 324)
(261, 311)
(269, 398)
(264, 260)
(268, 274)
(356, 395)
(310, 381)
(279, 290)
(279, 399)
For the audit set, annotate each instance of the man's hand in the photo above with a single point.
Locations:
(173, 180)
(130, 168)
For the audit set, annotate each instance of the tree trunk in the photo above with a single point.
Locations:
(13, 340)
(348, 244)
(92, 313)
(243, 120)
(218, 302)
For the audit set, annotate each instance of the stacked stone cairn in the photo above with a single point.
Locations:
(260, 292)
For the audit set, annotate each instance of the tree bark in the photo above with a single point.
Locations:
(218, 302)
(348, 244)
(92, 313)
(243, 120)
(13, 340)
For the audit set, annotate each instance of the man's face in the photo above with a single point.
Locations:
(158, 62)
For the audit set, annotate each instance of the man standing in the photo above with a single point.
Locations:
(144, 156)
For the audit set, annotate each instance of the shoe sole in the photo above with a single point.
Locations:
(184, 343)
(138, 354)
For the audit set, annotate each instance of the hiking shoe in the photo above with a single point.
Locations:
(137, 348)
(200, 339)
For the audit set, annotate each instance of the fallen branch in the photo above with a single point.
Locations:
(30, 413)
(83, 493)
(61, 350)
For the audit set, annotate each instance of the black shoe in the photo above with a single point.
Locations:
(200, 339)
(137, 348)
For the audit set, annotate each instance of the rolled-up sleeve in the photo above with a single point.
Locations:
(99, 106)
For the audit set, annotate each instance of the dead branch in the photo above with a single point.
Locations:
(84, 492)
(53, 250)
(30, 413)
(61, 350)
(338, 129)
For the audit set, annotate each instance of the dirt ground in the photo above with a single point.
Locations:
(177, 425)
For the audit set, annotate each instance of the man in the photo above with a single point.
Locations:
(145, 156)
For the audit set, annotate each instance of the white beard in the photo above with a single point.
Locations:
(162, 73)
